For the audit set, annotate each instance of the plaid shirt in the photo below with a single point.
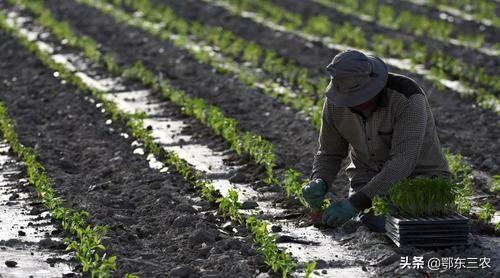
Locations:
(395, 141)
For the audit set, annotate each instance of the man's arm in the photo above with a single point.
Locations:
(407, 141)
(332, 149)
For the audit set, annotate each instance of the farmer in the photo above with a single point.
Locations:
(384, 122)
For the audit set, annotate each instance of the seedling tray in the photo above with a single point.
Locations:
(428, 231)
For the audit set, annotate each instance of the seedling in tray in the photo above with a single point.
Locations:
(421, 212)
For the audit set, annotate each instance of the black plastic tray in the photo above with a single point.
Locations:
(427, 243)
(434, 220)
(428, 231)
(433, 236)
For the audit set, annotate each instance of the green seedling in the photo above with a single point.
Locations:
(310, 268)
(229, 206)
(275, 258)
(418, 197)
(495, 184)
(293, 184)
(487, 212)
(380, 206)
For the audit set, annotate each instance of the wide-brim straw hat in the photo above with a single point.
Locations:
(355, 78)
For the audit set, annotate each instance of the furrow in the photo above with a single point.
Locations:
(29, 239)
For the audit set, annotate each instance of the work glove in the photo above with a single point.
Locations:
(314, 193)
(338, 213)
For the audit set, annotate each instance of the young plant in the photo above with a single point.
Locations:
(229, 206)
(310, 268)
(418, 197)
(275, 258)
(293, 184)
(380, 206)
(495, 184)
(487, 212)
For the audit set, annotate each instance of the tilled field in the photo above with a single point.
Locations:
(187, 152)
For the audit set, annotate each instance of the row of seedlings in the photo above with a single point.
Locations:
(438, 67)
(419, 25)
(481, 11)
(83, 238)
(229, 205)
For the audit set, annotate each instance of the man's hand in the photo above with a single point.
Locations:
(338, 213)
(314, 193)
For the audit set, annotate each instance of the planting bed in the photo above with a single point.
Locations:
(150, 180)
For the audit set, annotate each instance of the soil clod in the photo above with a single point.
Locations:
(10, 263)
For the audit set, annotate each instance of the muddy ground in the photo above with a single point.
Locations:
(157, 224)
(31, 243)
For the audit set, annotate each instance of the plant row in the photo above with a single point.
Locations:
(228, 206)
(292, 181)
(84, 238)
(298, 88)
(484, 87)
(479, 9)
(419, 25)
(464, 190)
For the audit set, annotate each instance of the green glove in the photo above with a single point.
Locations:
(338, 213)
(314, 193)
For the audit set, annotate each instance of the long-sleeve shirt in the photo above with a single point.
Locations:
(397, 140)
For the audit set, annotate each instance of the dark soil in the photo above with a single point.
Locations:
(294, 138)
(468, 130)
(142, 207)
